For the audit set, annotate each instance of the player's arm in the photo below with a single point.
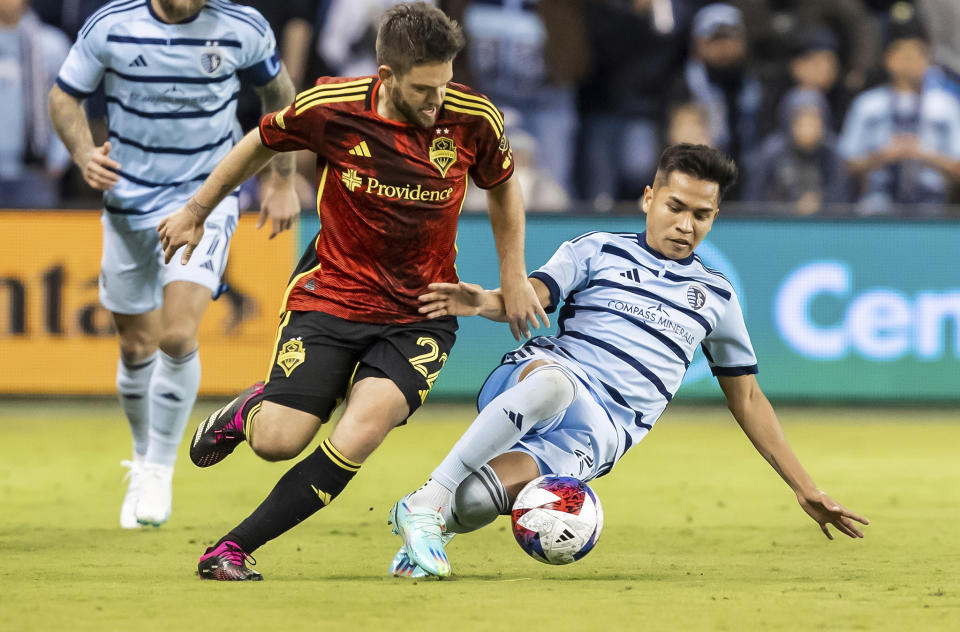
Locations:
(278, 201)
(469, 299)
(73, 128)
(521, 305)
(756, 417)
(185, 226)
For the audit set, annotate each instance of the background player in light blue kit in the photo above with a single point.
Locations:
(636, 307)
(171, 71)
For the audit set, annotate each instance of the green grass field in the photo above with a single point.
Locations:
(700, 535)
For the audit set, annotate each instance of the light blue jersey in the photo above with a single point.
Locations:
(171, 92)
(630, 323)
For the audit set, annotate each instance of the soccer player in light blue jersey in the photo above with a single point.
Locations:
(171, 70)
(635, 308)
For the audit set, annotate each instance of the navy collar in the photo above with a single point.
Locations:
(157, 17)
(642, 238)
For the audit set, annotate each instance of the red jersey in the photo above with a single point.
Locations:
(389, 194)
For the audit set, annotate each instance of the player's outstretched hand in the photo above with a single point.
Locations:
(279, 204)
(523, 308)
(99, 169)
(825, 510)
(452, 299)
(180, 229)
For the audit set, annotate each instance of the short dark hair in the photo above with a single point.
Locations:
(699, 161)
(414, 33)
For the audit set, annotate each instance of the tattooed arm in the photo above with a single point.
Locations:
(755, 415)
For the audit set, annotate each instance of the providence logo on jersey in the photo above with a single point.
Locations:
(371, 186)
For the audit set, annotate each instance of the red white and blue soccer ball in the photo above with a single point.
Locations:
(557, 519)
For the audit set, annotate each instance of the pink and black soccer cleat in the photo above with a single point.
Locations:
(222, 431)
(226, 563)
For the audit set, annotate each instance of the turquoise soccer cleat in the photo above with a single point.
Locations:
(422, 532)
(403, 566)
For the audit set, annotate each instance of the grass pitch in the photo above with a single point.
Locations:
(700, 535)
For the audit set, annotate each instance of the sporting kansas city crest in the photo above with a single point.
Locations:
(443, 153)
(291, 355)
(210, 60)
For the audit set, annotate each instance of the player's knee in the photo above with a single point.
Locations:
(178, 340)
(551, 390)
(136, 346)
(477, 502)
(273, 441)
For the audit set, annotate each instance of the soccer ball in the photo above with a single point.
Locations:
(557, 519)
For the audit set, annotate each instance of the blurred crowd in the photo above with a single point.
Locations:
(830, 107)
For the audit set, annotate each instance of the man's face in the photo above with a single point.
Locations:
(907, 60)
(680, 212)
(417, 94)
(817, 70)
(180, 10)
(724, 50)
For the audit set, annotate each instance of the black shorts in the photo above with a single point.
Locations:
(318, 356)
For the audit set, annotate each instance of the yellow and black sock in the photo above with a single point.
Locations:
(307, 487)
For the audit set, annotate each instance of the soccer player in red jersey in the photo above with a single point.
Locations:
(393, 155)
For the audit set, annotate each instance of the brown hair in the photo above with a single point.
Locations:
(414, 33)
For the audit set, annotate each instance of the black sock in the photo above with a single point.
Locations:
(308, 486)
(248, 412)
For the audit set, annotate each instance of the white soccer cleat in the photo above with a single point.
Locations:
(128, 510)
(156, 494)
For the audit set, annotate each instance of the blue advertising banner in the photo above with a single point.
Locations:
(837, 310)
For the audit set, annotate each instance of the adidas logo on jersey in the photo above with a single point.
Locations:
(207, 265)
(360, 150)
(633, 275)
(138, 62)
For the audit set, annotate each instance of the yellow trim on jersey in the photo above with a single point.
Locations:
(306, 106)
(338, 458)
(284, 321)
(465, 100)
(496, 129)
(296, 279)
(332, 86)
(456, 249)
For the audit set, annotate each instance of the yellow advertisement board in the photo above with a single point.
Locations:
(56, 338)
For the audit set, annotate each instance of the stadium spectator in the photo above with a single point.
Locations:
(637, 47)
(901, 140)
(573, 404)
(529, 56)
(171, 95)
(798, 168)
(772, 26)
(32, 158)
(814, 65)
(718, 76)
(393, 151)
(687, 122)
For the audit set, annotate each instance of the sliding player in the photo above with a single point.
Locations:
(636, 307)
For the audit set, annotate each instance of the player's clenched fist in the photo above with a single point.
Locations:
(180, 229)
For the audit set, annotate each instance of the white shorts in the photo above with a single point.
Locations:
(132, 271)
(582, 441)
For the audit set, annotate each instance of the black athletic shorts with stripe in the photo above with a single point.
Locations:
(318, 357)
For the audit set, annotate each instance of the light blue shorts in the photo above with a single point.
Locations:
(582, 441)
